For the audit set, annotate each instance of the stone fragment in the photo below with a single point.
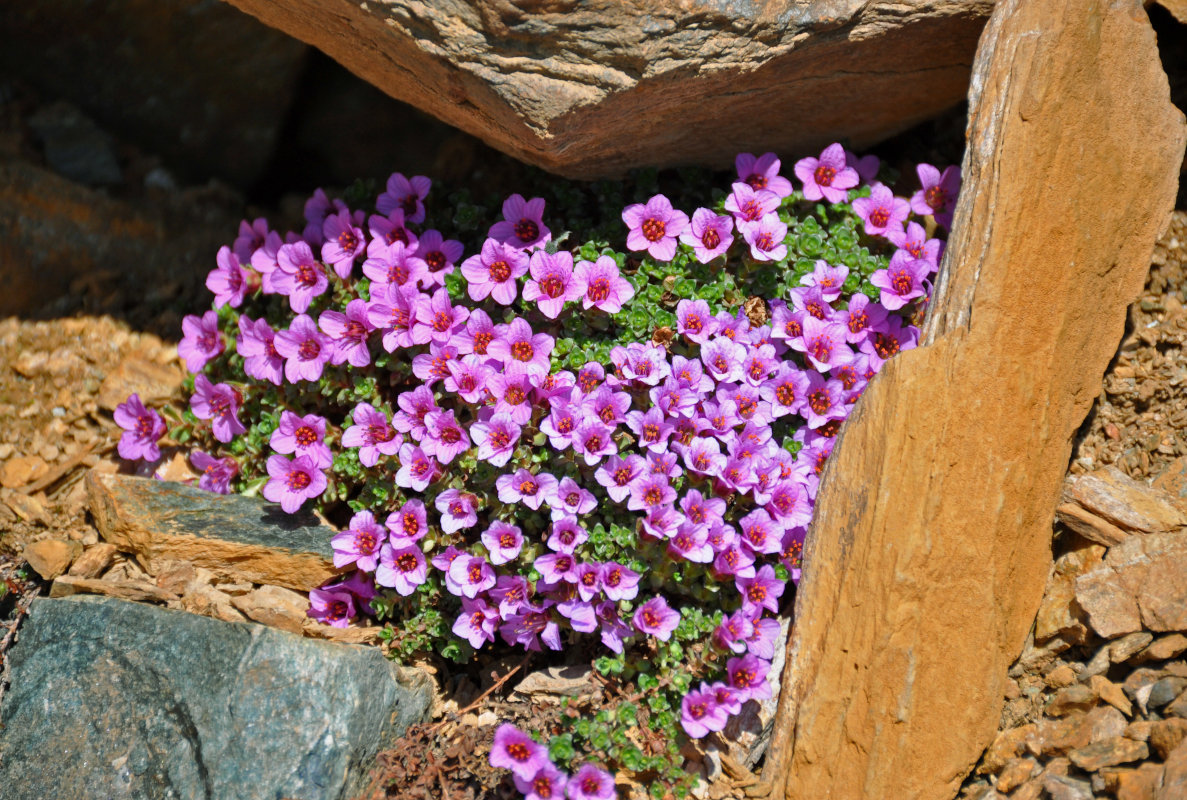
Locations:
(154, 382)
(22, 470)
(1166, 735)
(236, 537)
(1174, 776)
(114, 699)
(1111, 693)
(1108, 753)
(1173, 478)
(1076, 697)
(556, 682)
(1058, 614)
(1178, 708)
(1111, 494)
(351, 635)
(1134, 784)
(1008, 745)
(177, 576)
(210, 602)
(544, 83)
(1031, 790)
(1059, 787)
(1016, 772)
(1058, 737)
(1165, 647)
(1127, 646)
(1112, 611)
(1061, 676)
(1139, 730)
(1089, 525)
(49, 558)
(93, 561)
(1139, 679)
(272, 605)
(1164, 691)
(67, 585)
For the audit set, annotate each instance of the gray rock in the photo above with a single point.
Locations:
(1062, 788)
(112, 699)
(75, 146)
(1164, 691)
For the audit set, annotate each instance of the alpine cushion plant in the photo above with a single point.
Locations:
(563, 447)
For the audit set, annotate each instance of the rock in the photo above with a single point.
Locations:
(1108, 753)
(1063, 788)
(120, 699)
(1077, 697)
(556, 682)
(1139, 731)
(1127, 646)
(351, 635)
(272, 605)
(1009, 339)
(178, 576)
(154, 382)
(1114, 496)
(93, 561)
(141, 591)
(210, 602)
(1178, 707)
(1007, 746)
(1058, 737)
(1174, 776)
(1111, 608)
(1143, 583)
(49, 558)
(1164, 691)
(1061, 676)
(1058, 615)
(1031, 790)
(1089, 525)
(75, 147)
(1173, 478)
(1166, 735)
(1112, 694)
(21, 470)
(1015, 773)
(545, 83)
(1134, 784)
(1099, 663)
(1165, 647)
(238, 537)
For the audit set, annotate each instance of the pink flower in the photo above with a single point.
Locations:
(522, 225)
(709, 234)
(656, 618)
(882, 211)
(251, 238)
(359, 544)
(472, 575)
(824, 400)
(331, 607)
(866, 166)
(862, 315)
(256, 344)
(567, 499)
(831, 280)
(694, 320)
(228, 281)
(914, 240)
(619, 582)
(304, 436)
(598, 284)
(348, 333)
(522, 351)
(401, 569)
(292, 482)
(517, 752)
(762, 173)
(889, 340)
(299, 276)
(822, 342)
(548, 784)
(524, 487)
(444, 437)
(901, 281)
(655, 227)
(371, 434)
(503, 542)
(552, 282)
(495, 271)
(477, 622)
(748, 205)
(458, 510)
(392, 313)
(216, 472)
(438, 255)
(201, 341)
(220, 403)
(765, 237)
(405, 195)
(343, 243)
(496, 439)
(408, 525)
(143, 428)
(829, 176)
(417, 468)
(305, 349)
(394, 266)
(700, 714)
(591, 783)
(938, 193)
(388, 231)
(434, 319)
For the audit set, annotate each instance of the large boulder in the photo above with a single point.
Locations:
(593, 88)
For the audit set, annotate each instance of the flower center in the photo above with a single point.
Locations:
(298, 480)
(819, 401)
(528, 487)
(481, 341)
(822, 349)
(650, 618)
(879, 217)
(756, 181)
(593, 443)
(936, 197)
(365, 542)
(442, 321)
(653, 229)
(337, 610)
(500, 439)
(451, 435)
(411, 524)
(901, 283)
(824, 175)
(613, 578)
(523, 351)
(885, 345)
(651, 432)
(519, 751)
(435, 260)
(526, 230)
(757, 370)
(598, 290)
(711, 239)
(377, 434)
(208, 342)
(397, 274)
(815, 308)
(476, 619)
(607, 414)
(848, 376)
(474, 573)
(305, 436)
(348, 241)
(500, 271)
(408, 204)
(693, 323)
(396, 235)
(309, 350)
(507, 540)
(406, 562)
(653, 496)
(514, 395)
(565, 425)
(747, 406)
(552, 286)
(744, 677)
(355, 330)
(622, 476)
(572, 499)
(858, 321)
(785, 393)
(144, 426)
(306, 276)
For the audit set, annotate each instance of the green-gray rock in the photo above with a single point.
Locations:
(111, 699)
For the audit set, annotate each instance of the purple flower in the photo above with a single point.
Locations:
(348, 333)
(589, 581)
(823, 400)
(305, 349)
(655, 227)
(388, 231)
(433, 366)
(591, 783)
(304, 436)
(256, 345)
(560, 425)
(652, 429)
(828, 176)
(359, 544)
(619, 582)
(748, 677)
(392, 313)
(522, 351)
(614, 630)
(299, 276)
(548, 784)
(517, 752)
(395, 266)
(593, 441)
(434, 318)
(216, 472)
(552, 283)
(228, 281)
(503, 542)
(749, 205)
(468, 376)
(556, 568)
(477, 622)
(438, 255)
(415, 407)
(822, 342)
(529, 625)
(700, 714)
(476, 337)
(762, 173)
(513, 396)
(598, 284)
(201, 341)
(607, 405)
(723, 359)
(417, 468)
(344, 242)
(522, 225)
(403, 569)
(889, 340)
(760, 533)
(861, 316)
(317, 207)
(690, 543)
(494, 272)
(371, 434)
(882, 212)
(695, 321)
(902, 280)
(568, 499)
(444, 438)
(458, 510)
(524, 487)
(292, 482)
(765, 237)
(656, 618)
(938, 193)
(251, 238)
(408, 525)
(617, 474)
(831, 280)
(646, 363)
(405, 195)
(733, 631)
(496, 438)
(792, 553)
(143, 428)
(510, 592)
(220, 403)
(914, 240)
(567, 535)
(331, 606)
(701, 510)
(762, 642)
(734, 560)
(761, 591)
(866, 166)
(709, 234)
(811, 301)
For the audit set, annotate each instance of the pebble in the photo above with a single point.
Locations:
(1112, 694)
(1166, 735)
(1016, 772)
(1109, 753)
(1059, 787)
(1128, 646)
(1165, 647)
(1077, 697)
(1164, 691)
(1061, 676)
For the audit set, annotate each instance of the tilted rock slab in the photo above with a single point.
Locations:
(593, 88)
(112, 699)
(931, 544)
(1142, 584)
(241, 538)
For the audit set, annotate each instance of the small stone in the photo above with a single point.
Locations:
(50, 558)
(1077, 697)
(22, 470)
(556, 682)
(1112, 610)
(1133, 784)
(274, 606)
(1061, 676)
(1165, 647)
(210, 602)
(1062, 788)
(1012, 691)
(68, 585)
(1089, 525)
(154, 382)
(1139, 730)
(1126, 647)
(1008, 745)
(350, 635)
(1109, 753)
(93, 561)
(1174, 776)
(1173, 480)
(1166, 735)
(1164, 691)
(1111, 693)
(1139, 678)
(1113, 495)
(1031, 790)
(1178, 708)
(1017, 772)
(1057, 737)
(1098, 665)
(176, 576)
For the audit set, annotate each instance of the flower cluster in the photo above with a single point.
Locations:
(375, 366)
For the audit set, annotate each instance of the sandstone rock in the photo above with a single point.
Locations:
(1165, 647)
(1164, 691)
(1166, 735)
(49, 558)
(551, 85)
(1177, 7)
(1134, 784)
(22, 470)
(272, 605)
(152, 381)
(1112, 694)
(878, 627)
(1061, 676)
(1127, 646)
(1108, 753)
(114, 699)
(210, 602)
(555, 682)
(1174, 776)
(1007, 746)
(68, 585)
(1178, 708)
(1114, 496)
(1058, 614)
(93, 561)
(1031, 790)
(1143, 583)
(1111, 608)
(1173, 478)
(177, 576)
(1059, 737)
(1060, 787)
(1015, 773)
(239, 537)
(1089, 525)
(1077, 697)
(1139, 731)
(352, 635)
